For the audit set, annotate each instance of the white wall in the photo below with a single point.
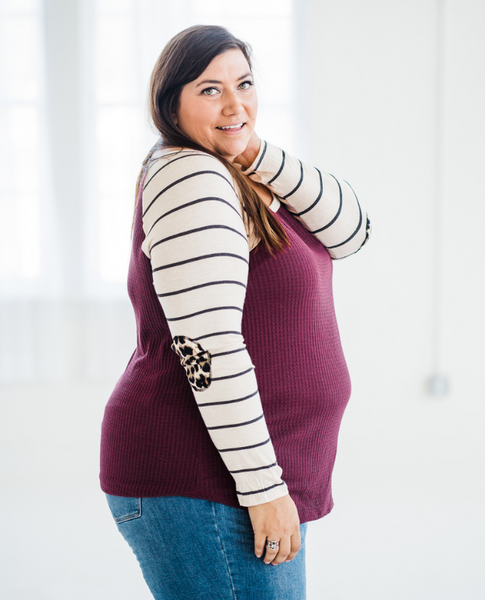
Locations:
(409, 488)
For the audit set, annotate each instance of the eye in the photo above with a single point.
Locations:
(211, 91)
(245, 85)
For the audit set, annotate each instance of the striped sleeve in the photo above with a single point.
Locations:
(326, 206)
(197, 244)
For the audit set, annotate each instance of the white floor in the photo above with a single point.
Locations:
(388, 538)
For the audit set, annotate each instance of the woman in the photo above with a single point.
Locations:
(220, 437)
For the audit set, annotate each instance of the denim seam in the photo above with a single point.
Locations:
(135, 515)
(223, 550)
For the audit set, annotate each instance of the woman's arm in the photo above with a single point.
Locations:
(197, 244)
(326, 206)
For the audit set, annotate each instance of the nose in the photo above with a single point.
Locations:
(232, 104)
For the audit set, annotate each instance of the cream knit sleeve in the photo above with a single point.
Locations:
(198, 248)
(327, 206)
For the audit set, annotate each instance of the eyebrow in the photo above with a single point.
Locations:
(216, 81)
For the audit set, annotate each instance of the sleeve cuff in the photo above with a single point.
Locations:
(263, 497)
(267, 163)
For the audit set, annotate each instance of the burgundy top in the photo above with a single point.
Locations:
(154, 441)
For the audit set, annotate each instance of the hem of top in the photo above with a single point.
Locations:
(306, 516)
(154, 491)
(315, 516)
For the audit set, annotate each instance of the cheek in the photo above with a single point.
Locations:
(253, 109)
(193, 123)
(201, 119)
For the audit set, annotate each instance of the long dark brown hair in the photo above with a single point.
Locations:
(184, 59)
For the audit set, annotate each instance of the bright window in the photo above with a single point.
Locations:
(120, 41)
(21, 160)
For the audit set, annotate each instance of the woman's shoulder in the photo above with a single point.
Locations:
(180, 175)
(168, 163)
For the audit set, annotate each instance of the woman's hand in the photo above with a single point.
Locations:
(249, 155)
(276, 521)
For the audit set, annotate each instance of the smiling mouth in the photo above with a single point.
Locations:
(232, 127)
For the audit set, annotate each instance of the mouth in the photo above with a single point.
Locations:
(232, 128)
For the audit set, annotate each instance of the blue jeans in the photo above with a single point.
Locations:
(193, 549)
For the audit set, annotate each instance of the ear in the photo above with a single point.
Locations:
(174, 119)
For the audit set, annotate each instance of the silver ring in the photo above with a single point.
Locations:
(272, 545)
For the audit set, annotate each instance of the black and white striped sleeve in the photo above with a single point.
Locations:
(326, 206)
(198, 248)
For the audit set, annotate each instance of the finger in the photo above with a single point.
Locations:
(259, 544)
(295, 545)
(284, 550)
(271, 554)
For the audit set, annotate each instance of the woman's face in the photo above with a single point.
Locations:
(218, 110)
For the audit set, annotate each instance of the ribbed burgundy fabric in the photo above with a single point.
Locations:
(154, 441)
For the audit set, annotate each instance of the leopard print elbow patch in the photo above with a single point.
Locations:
(195, 360)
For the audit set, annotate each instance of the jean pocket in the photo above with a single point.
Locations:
(124, 509)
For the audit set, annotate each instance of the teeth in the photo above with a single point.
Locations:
(232, 126)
